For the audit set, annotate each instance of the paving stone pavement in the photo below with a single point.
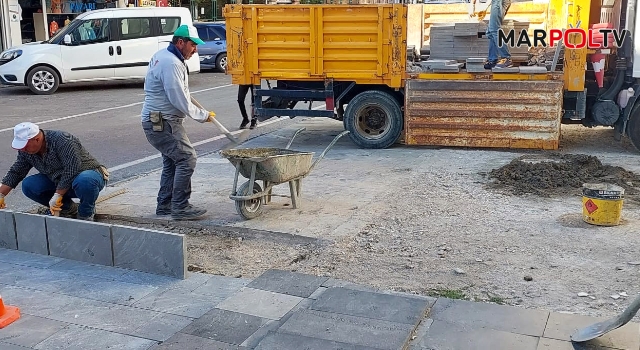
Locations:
(68, 304)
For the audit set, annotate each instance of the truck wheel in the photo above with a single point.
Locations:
(374, 119)
(43, 80)
(221, 62)
(250, 209)
(633, 126)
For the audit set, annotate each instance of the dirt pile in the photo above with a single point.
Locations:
(561, 174)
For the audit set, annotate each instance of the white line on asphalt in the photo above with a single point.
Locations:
(146, 159)
(109, 109)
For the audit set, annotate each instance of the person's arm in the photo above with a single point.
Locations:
(15, 175)
(179, 96)
(68, 151)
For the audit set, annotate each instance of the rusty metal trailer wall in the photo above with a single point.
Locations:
(503, 114)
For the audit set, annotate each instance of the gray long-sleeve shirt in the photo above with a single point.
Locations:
(166, 89)
(64, 159)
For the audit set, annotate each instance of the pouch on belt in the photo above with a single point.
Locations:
(156, 121)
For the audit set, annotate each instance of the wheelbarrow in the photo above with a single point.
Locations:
(272, 166)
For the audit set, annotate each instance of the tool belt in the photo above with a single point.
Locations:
(156, 121)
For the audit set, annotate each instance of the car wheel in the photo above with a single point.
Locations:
(43, 80)
(221, 62)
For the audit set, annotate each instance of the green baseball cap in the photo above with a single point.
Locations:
(189, 32)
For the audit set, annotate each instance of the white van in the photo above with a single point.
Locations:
(109, 44)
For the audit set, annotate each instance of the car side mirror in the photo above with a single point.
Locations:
(67, 39)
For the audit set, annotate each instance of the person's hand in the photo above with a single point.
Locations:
(2, 205)
(55, 203)
(211, 116)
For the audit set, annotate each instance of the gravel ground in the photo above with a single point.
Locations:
(470, 224)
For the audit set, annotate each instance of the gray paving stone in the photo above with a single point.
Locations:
(162, 253)
(225, 326)
(285, 282)
(221, 286)
(181, 341)
(561, 326)
(90, 270)
(80, 240)
(317, 293)
(283, 341)
(108, 291)
(52, 281)
(273, 325)
(420, 333)
(161, 327)
(177, 302)
(347, 329)
(533, 69)
(8, 238)
(498, 317)
(377, 306)
(76, 337)
(7, 346)
(27, 259)
(553, 344)
(260, 303)
(31, 231)
(450, 336)
(334, 282)
(34, 302)
(30, 330)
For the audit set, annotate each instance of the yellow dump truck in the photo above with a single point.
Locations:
(355, 56)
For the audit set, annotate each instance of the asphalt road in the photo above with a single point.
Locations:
(106, 118)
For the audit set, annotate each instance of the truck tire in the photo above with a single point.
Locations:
(43, 80)
(374, 119)
(633, 126)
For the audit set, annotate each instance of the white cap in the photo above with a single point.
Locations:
(22, 133)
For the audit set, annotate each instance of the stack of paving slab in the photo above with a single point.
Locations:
(441, 66)
(461, 40)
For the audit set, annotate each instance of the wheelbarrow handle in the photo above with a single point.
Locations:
(294, 136)
(335, 139)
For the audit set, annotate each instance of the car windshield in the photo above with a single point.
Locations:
(62, 32)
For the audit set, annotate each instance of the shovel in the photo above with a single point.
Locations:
(600, 328)
(236, 140)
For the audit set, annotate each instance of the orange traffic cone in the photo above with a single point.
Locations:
(8, 314)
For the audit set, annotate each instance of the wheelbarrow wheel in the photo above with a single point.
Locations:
(249, 209)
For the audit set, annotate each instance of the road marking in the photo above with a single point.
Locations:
(195, 144)
(109, 109)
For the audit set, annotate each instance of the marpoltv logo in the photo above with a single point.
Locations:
(572, 38)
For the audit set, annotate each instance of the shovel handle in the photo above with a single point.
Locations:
(217, 123)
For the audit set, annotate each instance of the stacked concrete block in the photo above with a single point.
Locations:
(8, 239)
(461, 40)
(475, 65)
(150, 251)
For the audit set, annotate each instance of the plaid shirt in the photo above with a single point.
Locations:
(63, 160)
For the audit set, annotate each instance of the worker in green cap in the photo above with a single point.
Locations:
(167, 103)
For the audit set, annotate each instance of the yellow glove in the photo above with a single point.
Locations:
(55, 204)
(211, 116)
(2, 205)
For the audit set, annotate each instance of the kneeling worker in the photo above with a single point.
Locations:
(67, 170)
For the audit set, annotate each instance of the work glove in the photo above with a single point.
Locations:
(211, 116)
(2, 205)
(55, 203)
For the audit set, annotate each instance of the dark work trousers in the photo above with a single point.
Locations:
(242, 94)
(178, 163)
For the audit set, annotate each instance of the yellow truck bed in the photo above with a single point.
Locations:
(361, 43)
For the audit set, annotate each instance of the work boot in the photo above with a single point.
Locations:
(88, 218)
(163, 210)
(490, 64)
(254, 123)
(244, 123)
(188, 213)
(72, 212)
(504, 63)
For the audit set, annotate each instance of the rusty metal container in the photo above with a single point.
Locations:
(491, 113)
